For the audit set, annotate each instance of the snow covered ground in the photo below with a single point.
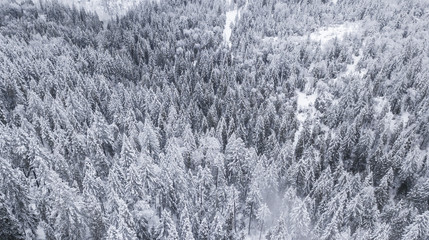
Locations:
(305, 110)
(40, 233)
(326, 34)
(305, 106)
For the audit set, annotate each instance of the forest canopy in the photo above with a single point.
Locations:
(311, 124)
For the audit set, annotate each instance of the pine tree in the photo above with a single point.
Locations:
(167, 227)
(15, 201)
(134, 185)
(65, 217)
(203, 230)
(121, 223)
(217, 228)
(254, 199)
(301, 228)
(185, 223)
(10, 226)
(143, 214)
(94, 217)
(149, 139)
(128, 154)
(262, 216)
(418, 229)
(234, 153)
(189, 145)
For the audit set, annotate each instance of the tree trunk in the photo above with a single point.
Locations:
(235, 225)
(250, 218)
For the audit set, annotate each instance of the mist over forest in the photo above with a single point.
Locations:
(214, 119)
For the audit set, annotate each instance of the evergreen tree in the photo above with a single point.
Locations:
(167, 228)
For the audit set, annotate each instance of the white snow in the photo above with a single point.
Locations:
(405, 117)
(326, 34)
(40, 233)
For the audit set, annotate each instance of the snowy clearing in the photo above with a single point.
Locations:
(326, 34)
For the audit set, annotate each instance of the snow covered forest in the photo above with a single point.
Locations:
(214, 119)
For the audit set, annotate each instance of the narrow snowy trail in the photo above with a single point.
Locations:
(232, 17)
(230, 20)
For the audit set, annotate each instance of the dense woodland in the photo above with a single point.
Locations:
(149, 126)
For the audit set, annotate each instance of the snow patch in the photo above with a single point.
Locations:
(405, 117)
(40, 233)
(326, 34)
